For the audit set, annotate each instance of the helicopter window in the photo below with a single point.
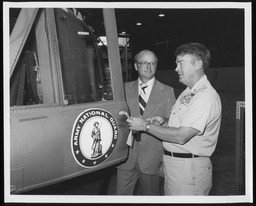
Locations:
(86, 78)
(31, 81)
(25, 82)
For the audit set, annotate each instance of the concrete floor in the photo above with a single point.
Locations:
(224, 160)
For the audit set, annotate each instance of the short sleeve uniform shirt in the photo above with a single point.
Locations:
(199, 108)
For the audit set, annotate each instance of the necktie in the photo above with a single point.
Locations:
(142, 98)
(142, 102)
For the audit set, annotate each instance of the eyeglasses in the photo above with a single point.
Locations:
(145, 64)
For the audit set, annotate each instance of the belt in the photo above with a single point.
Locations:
(137, 136)
(181, 155)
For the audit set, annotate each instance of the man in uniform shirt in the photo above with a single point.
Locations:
(191, 133)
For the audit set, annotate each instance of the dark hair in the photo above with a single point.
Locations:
(196, 49)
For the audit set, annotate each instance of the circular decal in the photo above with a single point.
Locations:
(94, 137)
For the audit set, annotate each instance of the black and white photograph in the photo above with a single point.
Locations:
(127, 102)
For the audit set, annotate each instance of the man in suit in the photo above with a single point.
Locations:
(144, 158)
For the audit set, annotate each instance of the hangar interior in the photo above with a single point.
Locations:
(162, 31)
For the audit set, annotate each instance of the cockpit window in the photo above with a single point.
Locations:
(25, 84)
(31, 81)
(84, 74)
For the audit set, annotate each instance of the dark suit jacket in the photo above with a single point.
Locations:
(149, 151)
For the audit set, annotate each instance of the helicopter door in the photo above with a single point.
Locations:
(65, 99)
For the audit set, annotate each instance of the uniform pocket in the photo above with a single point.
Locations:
(202, 176)
(181, 108)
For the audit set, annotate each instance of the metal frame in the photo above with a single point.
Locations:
(240, 147)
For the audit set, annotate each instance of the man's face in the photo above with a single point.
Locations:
(146, 66)
(186, 69)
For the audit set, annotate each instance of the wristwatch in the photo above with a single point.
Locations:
(147, 126)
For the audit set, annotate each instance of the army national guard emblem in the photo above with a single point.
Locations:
(94, 137)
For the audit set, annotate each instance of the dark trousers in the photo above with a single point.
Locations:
(127, 179)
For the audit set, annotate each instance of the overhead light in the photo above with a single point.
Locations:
(161, 15)
(138, 23)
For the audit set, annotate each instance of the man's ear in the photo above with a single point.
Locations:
(199, 64)
(135, 66)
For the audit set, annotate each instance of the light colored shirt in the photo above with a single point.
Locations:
(199, 108)
(150, 84)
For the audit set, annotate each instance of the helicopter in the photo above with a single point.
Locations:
(67, 100)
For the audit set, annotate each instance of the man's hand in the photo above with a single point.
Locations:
(157, 120)
(137, 123)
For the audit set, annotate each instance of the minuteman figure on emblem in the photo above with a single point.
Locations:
(96, 145)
